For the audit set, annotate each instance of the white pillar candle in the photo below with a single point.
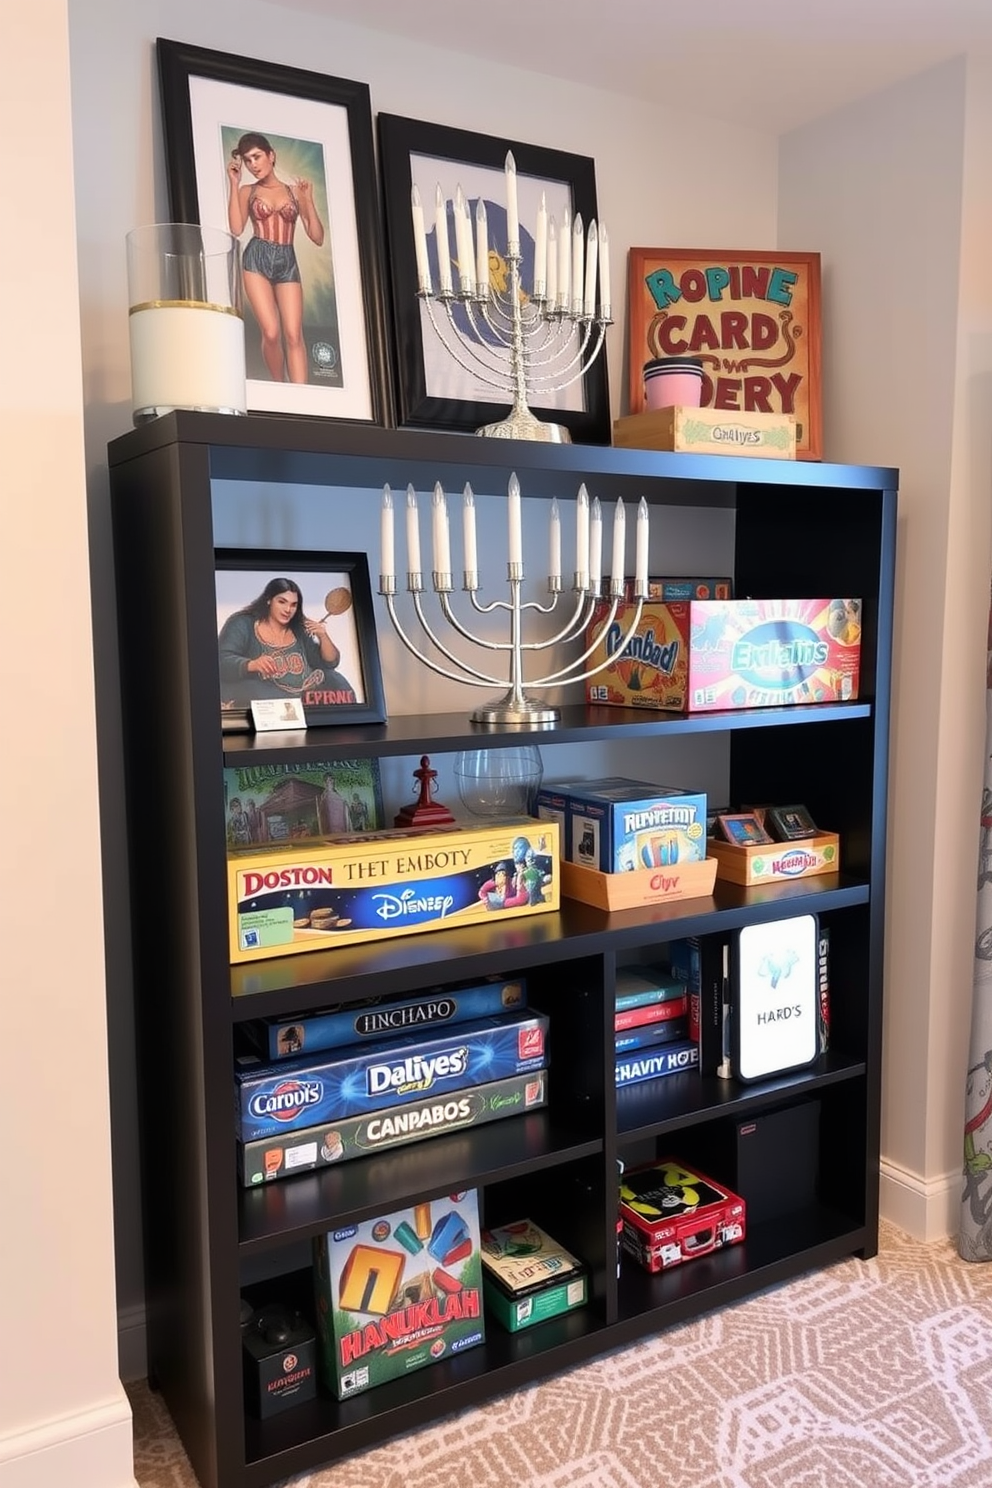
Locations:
(420, 240)
(604, 272)
(619, 545)
(469, 245)
(468, 531)
(387, 566)
(541, 250)
(578, 245)
(552, 263)
(641, 546)
(463, 247)
(565, 262)
(481, 248)
(582, 537)
(512, 219)
(412, 532)
(592, 255)
(516, 551)
(441, 533)
(554, 541)
(443, 249)
(595, 541)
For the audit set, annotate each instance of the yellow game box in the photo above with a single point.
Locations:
(313, 893)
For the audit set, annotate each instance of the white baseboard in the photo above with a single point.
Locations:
(926, 1208)
(132, 1343)
(89, 1449)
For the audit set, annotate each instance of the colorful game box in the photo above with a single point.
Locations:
(651, 1064)
(528, 1277)
(271, 1099)
(667, 589)
(620, 825)
(702, 655)
(380, 1017)
(671, 1214)
(309, 895)
(359, 1136)
(267, 804)
(399, 1292)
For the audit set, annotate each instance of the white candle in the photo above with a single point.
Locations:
(463, 250)
(604, 272)
(412, 532)
(469, 245)
(541, 250)
(516, 550)
(468, 531)
(582, 537)
(512, 220)
(387, 567)
(619, 545)
(552, 263)
(482, 248)
(420, 240)
(565, 261)
(554, 541)
(443, 250)
(440, 532)
(578, 245)
(592, 254)
(641, 547)
(595, 541)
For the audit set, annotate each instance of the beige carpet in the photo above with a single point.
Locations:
(865, 1375)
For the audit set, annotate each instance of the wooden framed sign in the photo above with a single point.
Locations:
(752, 318)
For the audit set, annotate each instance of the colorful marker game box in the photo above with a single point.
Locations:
(295, 1152)
(528, 1277)
(642, 666)
(397, 1293)
(671, 1214)
(622, 825)
(309, 895)
(379, 1017)
(274, 1098)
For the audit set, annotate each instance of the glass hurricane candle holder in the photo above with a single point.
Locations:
(499, 782)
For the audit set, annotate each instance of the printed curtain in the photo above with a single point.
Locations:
(975, 1234)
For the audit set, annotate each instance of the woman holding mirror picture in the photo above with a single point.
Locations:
(270, 271)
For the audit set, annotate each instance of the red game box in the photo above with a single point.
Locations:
(671, 1214)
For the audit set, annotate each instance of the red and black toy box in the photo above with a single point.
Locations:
(671, 1214)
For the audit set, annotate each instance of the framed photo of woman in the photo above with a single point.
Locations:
(437, 389)
(283, 159)
(297, 627)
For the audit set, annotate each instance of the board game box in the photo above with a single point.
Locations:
(312, 895)
(274, 1098)
(399, 1292)
(528, 1277)
(619, 826)
(294, 1152)
(652, 1064)
(380, 1017)
(275, 803)
(671, 1214)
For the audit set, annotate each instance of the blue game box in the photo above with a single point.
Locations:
(273, 1098)
(617, 826)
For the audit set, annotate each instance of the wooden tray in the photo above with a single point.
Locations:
(644, 886)
(773, 862)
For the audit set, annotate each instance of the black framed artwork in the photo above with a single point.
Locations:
(297, 627)
(434, 388)
(284, 159)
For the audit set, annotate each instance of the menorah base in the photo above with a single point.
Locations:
(520, 423)
(515, 711)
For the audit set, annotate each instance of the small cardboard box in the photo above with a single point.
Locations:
(709, 431)
(310, 895)
(621, 826)
(398, 1292)
(672, 1214)
(770, 862)
(528, 1277)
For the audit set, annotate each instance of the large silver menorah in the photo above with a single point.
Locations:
(521, 343)
(515, 709)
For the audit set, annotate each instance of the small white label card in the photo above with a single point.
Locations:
(269, 714)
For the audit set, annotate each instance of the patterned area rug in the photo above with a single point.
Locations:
(863, 1375)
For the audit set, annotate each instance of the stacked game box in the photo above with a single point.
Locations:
(528, 1277)
(651, 1025)
(619, 825)
(671, 1214)
(357, 1097)
(398, 1292)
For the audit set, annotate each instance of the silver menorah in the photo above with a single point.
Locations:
(519, 341)
(515, 708)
